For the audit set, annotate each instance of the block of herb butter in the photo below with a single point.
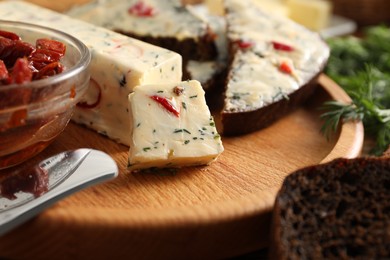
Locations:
(172, 127)
(119, 63)
(314, 14)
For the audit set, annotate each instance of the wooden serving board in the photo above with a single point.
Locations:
(216, 211)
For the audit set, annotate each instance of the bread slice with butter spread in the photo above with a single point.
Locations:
(168, 24)
(274, 66)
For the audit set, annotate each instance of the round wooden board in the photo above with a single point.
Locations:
(216, 211)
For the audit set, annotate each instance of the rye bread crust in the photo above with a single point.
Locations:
(202, 48)
(244, 122)
(337, 210)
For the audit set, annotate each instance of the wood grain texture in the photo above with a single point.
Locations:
(216, 211)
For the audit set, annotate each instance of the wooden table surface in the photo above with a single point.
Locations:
(216, 211)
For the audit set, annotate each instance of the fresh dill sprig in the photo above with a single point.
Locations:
(361, 66)
(366, 89)
(336, 113)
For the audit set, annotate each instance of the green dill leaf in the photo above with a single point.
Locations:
(336, 112)
(236, 96)
(145, 149)
(181, 131)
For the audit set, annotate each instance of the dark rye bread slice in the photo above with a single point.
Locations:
(274, 66)
(337, 210)
(169, 24)
(201, 48)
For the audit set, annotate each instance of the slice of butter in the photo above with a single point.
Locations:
(118, 64)
(172, 127)
(313, 14)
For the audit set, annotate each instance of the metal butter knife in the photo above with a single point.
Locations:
(58, 176)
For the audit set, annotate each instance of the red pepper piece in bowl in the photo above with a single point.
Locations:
(50, 69)
(51, 45)
(11, 50)
(42, 61)
(41, 58)
(21, 72)
(9, 35)
(4, 75)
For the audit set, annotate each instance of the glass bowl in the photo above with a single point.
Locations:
(29, 125)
